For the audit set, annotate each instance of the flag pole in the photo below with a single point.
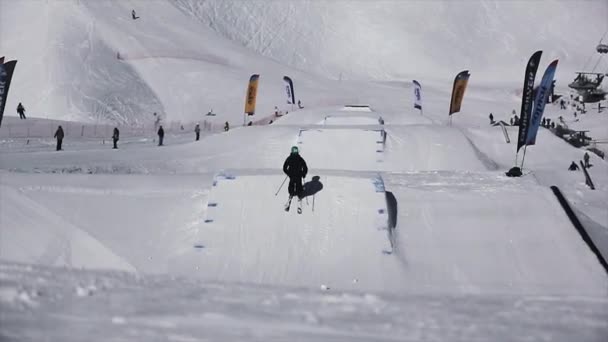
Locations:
(523, 158)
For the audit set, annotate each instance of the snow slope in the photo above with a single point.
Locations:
(410, 39)
(102, 306)
(70, 67)
(416, 232)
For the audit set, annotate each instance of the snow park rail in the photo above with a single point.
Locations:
(579, 226)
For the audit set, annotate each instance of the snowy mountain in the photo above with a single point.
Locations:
(69, 68)
(410, 229)
(409, 39)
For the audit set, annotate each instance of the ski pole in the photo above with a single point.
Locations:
(281, 186)
(304, 189)
(313, 203)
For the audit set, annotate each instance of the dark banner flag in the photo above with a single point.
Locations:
(542, 94)
(417, 95)
(6, 73)
(460, 85)
(252, 93)
(291, 97)
(527, 99)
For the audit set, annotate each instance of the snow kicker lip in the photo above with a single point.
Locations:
(245, 230)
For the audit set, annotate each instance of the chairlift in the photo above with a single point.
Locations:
(593, 96)
(583, 82)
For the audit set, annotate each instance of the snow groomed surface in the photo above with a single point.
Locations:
(340, 240)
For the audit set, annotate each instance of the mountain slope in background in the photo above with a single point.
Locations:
(404, 39)
(90, 61)
(183, 58)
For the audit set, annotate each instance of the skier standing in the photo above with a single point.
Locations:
(295, 168)
(21, 111)
(59, 135)
(161, 135)
(115, 136)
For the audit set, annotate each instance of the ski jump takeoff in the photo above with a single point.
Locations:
(295, 168)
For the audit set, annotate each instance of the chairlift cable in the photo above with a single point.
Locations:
(598, 62)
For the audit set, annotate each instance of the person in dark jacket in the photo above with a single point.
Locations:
(573, 167)
(59, 135)
(586, 160)
(115, 137)
(161, 135)
(197, 131)
(134, 15)
(21, 111)
(226, 127)
(295, 168)
(491, 116)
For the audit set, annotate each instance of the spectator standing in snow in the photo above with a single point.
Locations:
(573, 167)
(544, 122)
(161, 135)
(491, 116)
(115, 137)
(300, 104)
(21, 111)
(226, 127)
(197, 131)
(511, 121)
(59, 135)
(133, 15)
(586, 160)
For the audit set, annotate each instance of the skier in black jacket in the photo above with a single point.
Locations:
(295, 168)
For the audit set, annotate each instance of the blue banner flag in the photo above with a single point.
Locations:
(542, 95)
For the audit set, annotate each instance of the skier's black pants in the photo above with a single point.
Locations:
(295, 186)
(160, 140)
(198, 136)
(59, 141)
(115, 141)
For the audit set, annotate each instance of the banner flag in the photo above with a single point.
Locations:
(417, 95)
(291, 97)
(460, 85)
(6, 73)
(544, 90)
(527, 99)
(252, 93)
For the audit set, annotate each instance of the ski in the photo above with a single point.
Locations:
(288, 204)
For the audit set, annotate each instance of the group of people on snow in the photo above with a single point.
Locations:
(586, 164)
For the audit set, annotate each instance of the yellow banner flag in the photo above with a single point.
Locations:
(460, 85)
(252, 92)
